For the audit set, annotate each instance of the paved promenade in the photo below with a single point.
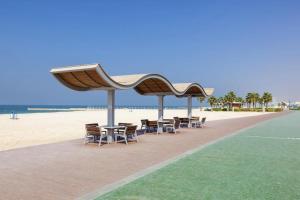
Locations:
(71, 169)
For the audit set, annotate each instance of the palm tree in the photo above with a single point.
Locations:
(267, 98)
(212, 101)
(229, 98)
(240, 100)
(201, 100)
(255, 98)
(221, 102)
(248, 99)
(252, 98)
(261, 102)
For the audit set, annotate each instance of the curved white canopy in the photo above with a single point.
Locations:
(93, 77)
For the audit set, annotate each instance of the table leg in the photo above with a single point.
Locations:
(110, 136)
(160, 130)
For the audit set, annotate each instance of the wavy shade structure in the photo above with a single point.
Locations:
(93, 77)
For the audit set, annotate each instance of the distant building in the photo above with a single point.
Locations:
(283, 105)
(296, 104)
(235, 105)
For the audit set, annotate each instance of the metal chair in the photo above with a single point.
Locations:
(93, 132)
(145, 124)
(152, 125)
(195, 122)
(130, 130)
(203, 120)
(173, 128)
(184, 122)
(123, 125)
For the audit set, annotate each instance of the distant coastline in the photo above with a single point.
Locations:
(23, 109)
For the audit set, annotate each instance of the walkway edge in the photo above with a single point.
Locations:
(110, 187)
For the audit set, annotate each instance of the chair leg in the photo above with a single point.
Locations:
(100, 141)
(170, 129)
(136, 137)
(85, 139)
(125, 138)
(116, 138)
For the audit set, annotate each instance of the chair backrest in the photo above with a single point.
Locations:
(195, 118)
(145, 122)
(176, 123)
(171, 121)
(176, 118)
(152, 123)
(124, 124)
(184, 120)
(92, 128)
(130, 129)
(203, 120)
(87, 126)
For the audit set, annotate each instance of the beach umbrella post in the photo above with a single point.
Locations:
(189, 106)
(110, 112)
(160, 107)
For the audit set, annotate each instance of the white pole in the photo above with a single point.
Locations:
(160, 113)
(189, 113)
(110, 113)
(160, 107)
(111, 107)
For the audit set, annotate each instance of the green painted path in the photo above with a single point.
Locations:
(259, 163)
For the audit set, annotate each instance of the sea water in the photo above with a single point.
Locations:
(8, 109)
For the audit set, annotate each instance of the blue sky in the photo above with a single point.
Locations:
(229, 45)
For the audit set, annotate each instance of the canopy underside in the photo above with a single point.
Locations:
(93, 77)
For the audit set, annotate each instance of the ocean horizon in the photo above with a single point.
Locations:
(23, 109)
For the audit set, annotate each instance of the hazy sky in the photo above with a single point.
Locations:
(229, 45)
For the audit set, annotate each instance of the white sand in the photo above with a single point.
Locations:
(44, 128)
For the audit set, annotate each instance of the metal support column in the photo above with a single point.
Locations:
(110, 113)
(189, 110)
(160, 114)
(160, 107)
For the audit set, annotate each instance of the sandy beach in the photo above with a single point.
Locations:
(44, 128)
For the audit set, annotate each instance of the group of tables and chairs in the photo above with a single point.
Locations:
(126, 132)
(123, 132)
(171, 125)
